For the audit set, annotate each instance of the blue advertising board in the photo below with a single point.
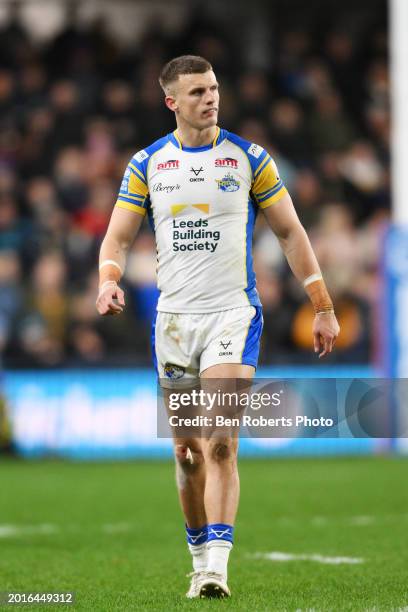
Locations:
(112, 414)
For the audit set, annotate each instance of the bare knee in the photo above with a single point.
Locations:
(221, 450)
(188, 454)
(189, 460)
(181, 452)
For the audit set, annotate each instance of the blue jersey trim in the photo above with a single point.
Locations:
(155, 146)
(198, 149)
(150, 214)
(243, 144)
(250, 353)
(250, 289)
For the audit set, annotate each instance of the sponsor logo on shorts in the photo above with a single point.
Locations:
(226, 162)
(174, 372)
(228, 183)
(225, 346)
(255, 150)
(170, 164)
(142, 155)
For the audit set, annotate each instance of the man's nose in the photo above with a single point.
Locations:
(210, 98)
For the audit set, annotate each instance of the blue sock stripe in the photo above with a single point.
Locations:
(220, 531)
(197, 536)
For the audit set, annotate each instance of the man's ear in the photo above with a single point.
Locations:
(171, 103)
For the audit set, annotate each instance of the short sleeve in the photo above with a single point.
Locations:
(267, 187)
(134, 194)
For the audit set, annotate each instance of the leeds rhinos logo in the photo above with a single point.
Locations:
(173, 372)
(228, 183)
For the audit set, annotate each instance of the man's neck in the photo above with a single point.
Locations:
(191, 137)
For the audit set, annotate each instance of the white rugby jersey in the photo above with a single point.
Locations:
(202, 204)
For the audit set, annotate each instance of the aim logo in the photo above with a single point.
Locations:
(176, 209)
(170, 164)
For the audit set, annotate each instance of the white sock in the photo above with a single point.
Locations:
(200, 556)
(218, 554)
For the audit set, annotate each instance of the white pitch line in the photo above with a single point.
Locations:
(116, 527)
(281, 556)
(354, 521)
(363, 520)
(10, 531)
(319, 521)
(13, 531)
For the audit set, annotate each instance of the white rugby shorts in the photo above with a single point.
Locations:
(184, 345)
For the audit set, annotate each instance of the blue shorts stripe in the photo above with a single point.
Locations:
(250, 353)
(153, 343)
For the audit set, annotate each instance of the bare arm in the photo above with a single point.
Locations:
(122, 230)
(284, 222)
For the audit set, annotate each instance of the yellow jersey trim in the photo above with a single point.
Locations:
(214, 142)
(275, 198)
(261, 166)
(137, 186)
(176, 136)
(140, 175)
(137, 198)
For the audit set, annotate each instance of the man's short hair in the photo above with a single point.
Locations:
(185, 64)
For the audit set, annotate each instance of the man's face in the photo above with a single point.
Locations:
(195, 99)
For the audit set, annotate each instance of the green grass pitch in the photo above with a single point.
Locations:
(113, 533)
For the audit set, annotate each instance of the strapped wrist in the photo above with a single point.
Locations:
(319, 296)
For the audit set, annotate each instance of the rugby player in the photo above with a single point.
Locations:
(202, 187)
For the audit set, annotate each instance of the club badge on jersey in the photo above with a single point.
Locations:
(228, 183)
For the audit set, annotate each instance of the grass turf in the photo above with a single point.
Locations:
(115, 535)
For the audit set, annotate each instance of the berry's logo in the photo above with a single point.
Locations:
(170, 164)
(226, 162)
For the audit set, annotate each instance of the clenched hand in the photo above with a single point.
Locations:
(111, 299)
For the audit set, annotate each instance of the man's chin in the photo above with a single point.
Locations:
(210, 122)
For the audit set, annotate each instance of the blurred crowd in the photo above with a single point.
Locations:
(72, 113)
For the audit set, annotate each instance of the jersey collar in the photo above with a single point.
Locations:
(219, 137)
